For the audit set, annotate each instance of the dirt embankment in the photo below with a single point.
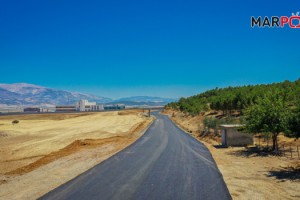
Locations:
(248, 175)
(44, 151)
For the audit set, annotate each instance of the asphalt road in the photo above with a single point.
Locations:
(165, 163)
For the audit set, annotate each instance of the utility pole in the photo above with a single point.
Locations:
(149, 112)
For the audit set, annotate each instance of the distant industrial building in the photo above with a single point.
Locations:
(85, 105)
(37, 109)
(114, 107)
(10, 109)
(20, 109)
(82, 106)
(31, 109)
(65, 108)
(232, 137)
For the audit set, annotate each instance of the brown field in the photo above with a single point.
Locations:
(249, 175)
(44, 151)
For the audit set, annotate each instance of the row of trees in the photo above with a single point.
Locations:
(236, 98)
(272, 108)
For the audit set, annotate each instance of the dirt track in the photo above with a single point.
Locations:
(66, 144)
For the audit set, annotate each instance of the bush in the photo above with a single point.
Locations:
(211, 122)
(15, 122)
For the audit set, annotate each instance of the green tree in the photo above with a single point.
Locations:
(294, 123)
(268, 115)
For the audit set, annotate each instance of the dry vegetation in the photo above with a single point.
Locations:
(44, 151)
(248, 174)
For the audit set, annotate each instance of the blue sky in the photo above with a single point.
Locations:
(156, 48)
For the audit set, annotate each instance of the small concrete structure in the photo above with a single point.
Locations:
(232, 137)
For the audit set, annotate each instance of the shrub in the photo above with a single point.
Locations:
(15, 122)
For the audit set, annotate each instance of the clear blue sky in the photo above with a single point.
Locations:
(157, 48)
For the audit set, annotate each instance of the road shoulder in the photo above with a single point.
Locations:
(252, 177)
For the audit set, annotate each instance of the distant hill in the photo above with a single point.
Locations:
(25, 94)
(144, 101)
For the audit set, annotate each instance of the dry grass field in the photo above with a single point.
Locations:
(44, 151)
(249, 175)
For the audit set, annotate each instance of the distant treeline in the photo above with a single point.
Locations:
(236, 98)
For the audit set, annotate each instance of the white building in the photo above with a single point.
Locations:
(84, 105)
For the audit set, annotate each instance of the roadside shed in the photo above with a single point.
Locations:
(232, 137)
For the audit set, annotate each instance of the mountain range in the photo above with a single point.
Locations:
(24, 94)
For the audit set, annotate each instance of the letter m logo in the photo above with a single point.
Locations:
(255, 22)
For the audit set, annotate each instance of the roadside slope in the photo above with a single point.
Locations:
(248, 176)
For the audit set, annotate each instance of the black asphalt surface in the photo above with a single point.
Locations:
(165, 163)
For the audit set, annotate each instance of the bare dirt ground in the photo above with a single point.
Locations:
(249, 175)
(44, 151)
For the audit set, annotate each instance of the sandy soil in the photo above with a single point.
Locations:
(257, 176)
(44, 151)
(247, 174)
